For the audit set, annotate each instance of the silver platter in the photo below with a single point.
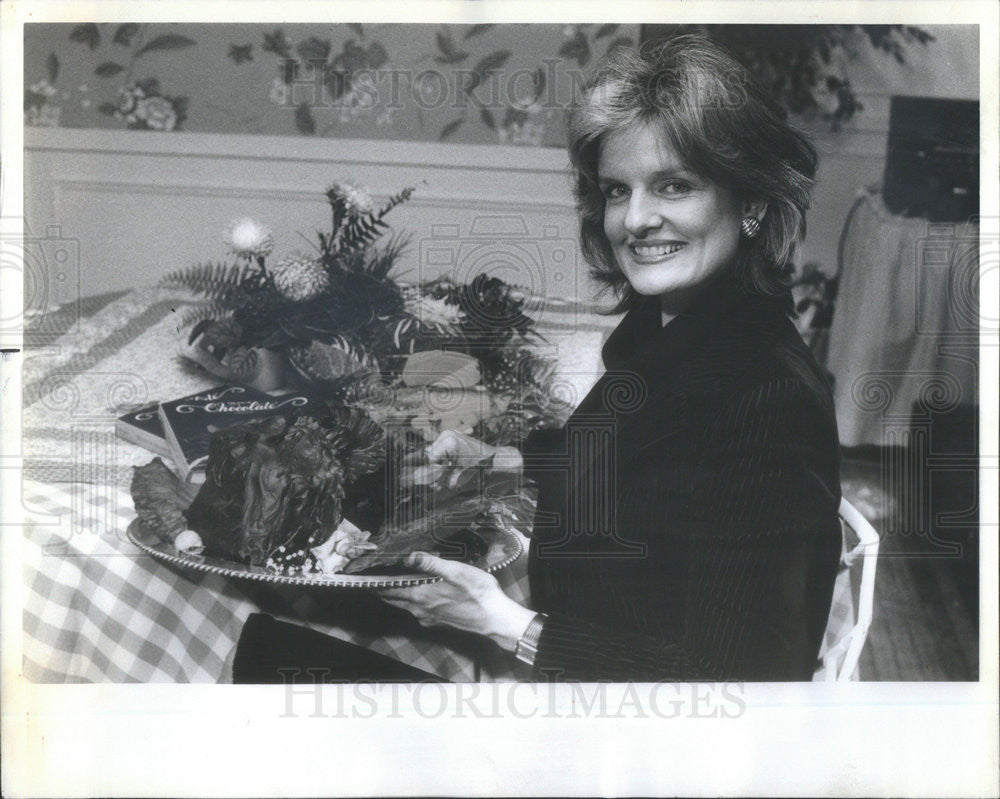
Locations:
(504, 549)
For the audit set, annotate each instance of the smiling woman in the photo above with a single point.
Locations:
(687, 522)
(695, 125)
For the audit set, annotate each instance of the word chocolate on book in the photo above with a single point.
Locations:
(182, 428)
(190, 421)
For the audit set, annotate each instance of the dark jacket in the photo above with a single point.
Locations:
(687, 522)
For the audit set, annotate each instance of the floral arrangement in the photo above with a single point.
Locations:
(334, 320)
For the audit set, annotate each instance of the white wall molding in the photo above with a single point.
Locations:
(441, 201)
(141, 204)
(305, 149)
(864, 136)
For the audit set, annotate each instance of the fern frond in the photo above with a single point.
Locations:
(396, 199)
(205, 311)
(362, 231)
(214, 280)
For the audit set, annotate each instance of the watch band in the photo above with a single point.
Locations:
(527, 645)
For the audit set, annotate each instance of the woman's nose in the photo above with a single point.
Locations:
(641, 215)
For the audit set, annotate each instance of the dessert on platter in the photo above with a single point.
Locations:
(320, 496)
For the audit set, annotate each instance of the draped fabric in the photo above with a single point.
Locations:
(904, 337)
(687, 522)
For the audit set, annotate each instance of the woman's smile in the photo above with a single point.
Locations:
(654, 252)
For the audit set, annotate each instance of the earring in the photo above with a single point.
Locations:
(750, 226)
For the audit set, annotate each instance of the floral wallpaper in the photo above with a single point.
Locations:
(504, 84)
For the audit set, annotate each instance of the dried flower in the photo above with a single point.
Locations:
(355, 198)
(301, 278)
(46, 116)
(346, 543)
(250, 238)
(432, 312)
(280, 92)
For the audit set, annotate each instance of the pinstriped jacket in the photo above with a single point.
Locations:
(687, 522)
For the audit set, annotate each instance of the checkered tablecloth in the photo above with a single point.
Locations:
(98, 609)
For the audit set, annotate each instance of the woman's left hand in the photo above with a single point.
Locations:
(466, 598)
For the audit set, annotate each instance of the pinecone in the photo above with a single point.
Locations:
(300, 278)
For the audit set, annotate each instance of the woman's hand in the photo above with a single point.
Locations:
(452, 453)
(466, 598)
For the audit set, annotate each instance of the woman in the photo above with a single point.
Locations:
(687, 521)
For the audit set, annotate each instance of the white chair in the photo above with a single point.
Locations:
(843, 642)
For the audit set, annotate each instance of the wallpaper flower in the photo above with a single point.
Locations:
(503, 84)
(119, 51)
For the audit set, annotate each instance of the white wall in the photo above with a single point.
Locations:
(142, 204)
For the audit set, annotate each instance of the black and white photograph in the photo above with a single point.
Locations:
(621, 377)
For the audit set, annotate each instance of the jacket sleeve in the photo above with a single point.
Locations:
(763, 540)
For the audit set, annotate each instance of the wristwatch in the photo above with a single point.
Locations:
(527, 645)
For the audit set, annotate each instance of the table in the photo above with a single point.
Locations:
(96, 608)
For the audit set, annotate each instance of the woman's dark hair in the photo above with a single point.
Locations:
(724, 127)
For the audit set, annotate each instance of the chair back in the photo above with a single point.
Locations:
(839, 661)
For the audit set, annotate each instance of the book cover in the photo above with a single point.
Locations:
(144, 428)
(188, 422)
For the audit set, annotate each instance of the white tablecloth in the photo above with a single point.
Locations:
(905, 329)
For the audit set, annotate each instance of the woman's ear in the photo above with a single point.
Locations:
(755, 209)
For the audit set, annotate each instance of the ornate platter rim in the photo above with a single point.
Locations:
(503, 551)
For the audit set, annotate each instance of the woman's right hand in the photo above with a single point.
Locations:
(452, 453)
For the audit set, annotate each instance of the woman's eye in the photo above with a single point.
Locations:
(675, 187)
(614, 192)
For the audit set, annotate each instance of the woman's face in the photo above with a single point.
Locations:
(671, 231)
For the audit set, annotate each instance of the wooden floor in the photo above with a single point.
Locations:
(925, 622)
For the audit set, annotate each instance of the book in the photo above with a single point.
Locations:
(144, 428)
(188, 422)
